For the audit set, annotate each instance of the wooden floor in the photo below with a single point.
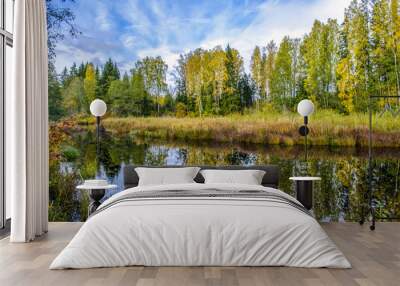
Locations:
(375, 257)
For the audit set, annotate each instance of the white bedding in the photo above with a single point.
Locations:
(200, 231)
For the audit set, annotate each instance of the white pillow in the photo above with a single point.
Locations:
(248, 177)
(166, 176)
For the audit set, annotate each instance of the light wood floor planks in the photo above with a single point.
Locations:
(375, 257)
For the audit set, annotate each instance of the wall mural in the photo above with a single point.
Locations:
(220, 106)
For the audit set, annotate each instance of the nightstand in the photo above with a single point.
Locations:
(97, 190)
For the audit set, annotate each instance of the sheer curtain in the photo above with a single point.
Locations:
(27, 123)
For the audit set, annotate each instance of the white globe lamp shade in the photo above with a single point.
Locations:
(305, 107)
(98, 107)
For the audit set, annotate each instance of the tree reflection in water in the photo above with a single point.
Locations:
(337, 197)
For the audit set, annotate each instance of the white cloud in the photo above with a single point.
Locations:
(102, 17)
(131, 11)
(129, 41)
(65, 52)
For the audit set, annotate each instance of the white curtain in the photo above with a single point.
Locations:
(27, 123)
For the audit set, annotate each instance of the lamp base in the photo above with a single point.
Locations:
(303, 130)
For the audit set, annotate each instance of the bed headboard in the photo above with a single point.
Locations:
(271, 177)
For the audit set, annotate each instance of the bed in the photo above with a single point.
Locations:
(198, 224)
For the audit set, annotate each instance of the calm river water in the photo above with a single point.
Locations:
(338, 196)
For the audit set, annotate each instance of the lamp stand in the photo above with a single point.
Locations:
(305, 140)
(97, 133)
(98, 144)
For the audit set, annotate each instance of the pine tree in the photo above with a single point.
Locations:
(120, 97)
(64, 77)
(82, 70)
(230, 101)
(110, 73)
(56, 110)
(97, 76)
(180, 80)
(142, 102)
(246, 91)
(73, 71)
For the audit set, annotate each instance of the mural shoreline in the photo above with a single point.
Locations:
(327, 129)
(74, 157)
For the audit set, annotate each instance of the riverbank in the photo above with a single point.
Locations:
(327, 129)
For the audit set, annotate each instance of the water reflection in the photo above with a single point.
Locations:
(337, 197)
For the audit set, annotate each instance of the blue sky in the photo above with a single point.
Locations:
(127, 30)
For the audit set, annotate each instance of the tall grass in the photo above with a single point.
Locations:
(268, 127)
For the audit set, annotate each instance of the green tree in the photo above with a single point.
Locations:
(284, 76)
(320, 50)
(74, 97)
(180, 110)
(154, 72)
(64, 77)
(143, 104)
(394, 43)
(246, 91)
(215, 76)
(256, 66)
(90, 84)
(205, 76)
(269, 66)
(73, 71)
(109, 74)
(230, 101)
(385, 47)
(119, 92)
(179, 75)
(354, 67)
(168, 104)
(97, 76)
(56, 110)
(82, 70)
(194, 80)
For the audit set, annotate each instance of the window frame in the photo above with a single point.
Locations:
(6, 39)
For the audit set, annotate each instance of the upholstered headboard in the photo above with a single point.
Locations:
(271, 177)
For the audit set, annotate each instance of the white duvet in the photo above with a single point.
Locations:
(202, 232)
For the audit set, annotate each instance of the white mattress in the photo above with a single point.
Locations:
(200, 232)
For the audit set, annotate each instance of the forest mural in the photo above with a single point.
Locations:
(337, 65)
(210, 108)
